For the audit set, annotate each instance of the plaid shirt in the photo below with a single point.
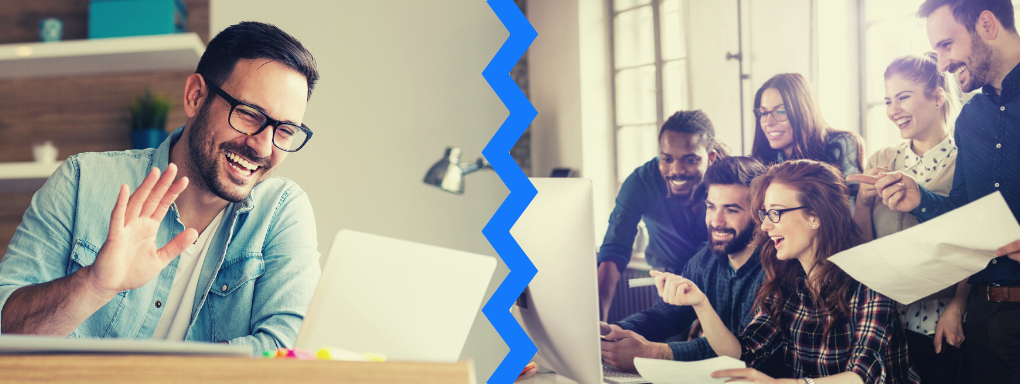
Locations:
(870, 343)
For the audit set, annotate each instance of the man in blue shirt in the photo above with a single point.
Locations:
(229, 258)
(667, 193)
(978, 41)
(728, 267)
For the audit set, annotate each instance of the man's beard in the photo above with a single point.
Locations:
(204, 159)
(724, 248)
(978, 75)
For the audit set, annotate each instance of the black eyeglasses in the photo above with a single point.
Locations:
(779, 114)
(774, 214)
(251, 121)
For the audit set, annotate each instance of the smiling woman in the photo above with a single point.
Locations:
(790, 126)
(921, 102)
(825, 322)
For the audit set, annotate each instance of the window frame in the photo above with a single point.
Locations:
(658, 63)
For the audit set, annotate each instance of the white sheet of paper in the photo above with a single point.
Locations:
(912, 264)
(685, 372)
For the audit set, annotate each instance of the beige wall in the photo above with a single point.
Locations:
(400, 82)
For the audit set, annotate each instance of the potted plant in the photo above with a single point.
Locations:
(148, 120)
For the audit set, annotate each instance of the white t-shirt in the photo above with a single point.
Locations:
(176, 317)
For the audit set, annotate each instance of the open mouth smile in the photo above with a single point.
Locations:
(240, 165)
(721, 235)
(902, 122)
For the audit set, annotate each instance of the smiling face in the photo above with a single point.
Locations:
(728, 217)
(793, 235)
(683, 160)
(910, 109)
(960, 52)
(778, 133)
(229, 162)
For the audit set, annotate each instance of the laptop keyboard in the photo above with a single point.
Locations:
(612, 375)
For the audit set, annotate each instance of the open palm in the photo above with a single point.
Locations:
(129, 259)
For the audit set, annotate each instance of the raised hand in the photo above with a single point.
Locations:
(897, 190)
(867, 193)
(677, 290)
(129, 258)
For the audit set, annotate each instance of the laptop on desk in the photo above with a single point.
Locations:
(559, 309)
(404, 300)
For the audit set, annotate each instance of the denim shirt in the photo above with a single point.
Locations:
(255, 285)
(676, 231)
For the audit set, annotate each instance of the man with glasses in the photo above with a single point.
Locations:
(207, 247)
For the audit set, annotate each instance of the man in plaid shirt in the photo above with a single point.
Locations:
(727, 267)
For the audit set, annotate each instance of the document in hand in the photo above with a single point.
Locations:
(685, 372)
(912, 264)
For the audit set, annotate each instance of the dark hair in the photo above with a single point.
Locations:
(695, 122)
(966, 12)
(924, 70)
(810, 132)
(733, 170)
(254, 40)
(821, 189)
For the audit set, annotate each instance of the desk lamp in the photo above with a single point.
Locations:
(448, 173)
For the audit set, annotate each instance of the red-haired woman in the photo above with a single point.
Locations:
(831, 328)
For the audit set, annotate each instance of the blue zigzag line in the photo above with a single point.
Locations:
(497, 230)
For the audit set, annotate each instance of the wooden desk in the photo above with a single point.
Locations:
(113, 369)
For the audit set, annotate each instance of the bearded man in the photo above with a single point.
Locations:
(208, 247)
(728, 267)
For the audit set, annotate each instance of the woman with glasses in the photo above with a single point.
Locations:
(922, 103)
(790, 126)
(829, 327)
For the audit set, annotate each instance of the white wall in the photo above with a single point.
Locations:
(715, 81)
(400, 82)
(554, 58)
(568, 66)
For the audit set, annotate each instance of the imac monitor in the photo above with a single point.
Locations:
(559, 309)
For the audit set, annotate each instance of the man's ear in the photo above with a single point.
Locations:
(195, 93)
(712, 156)
(987, 26)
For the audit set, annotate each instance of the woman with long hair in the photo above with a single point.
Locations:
(790, 126)
(922, 102)
(829, 327)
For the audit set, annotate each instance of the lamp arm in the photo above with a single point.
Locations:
(478, 165)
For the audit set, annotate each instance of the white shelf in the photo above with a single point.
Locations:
(101, 56)
(25, 176)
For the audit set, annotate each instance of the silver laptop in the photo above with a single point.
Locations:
(559, 309)
(21, 344)
(405, 300)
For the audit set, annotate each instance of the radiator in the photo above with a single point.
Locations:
(631, 300)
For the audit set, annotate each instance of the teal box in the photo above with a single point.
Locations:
(120, 18)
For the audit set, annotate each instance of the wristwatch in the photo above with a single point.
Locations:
(809, 380)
